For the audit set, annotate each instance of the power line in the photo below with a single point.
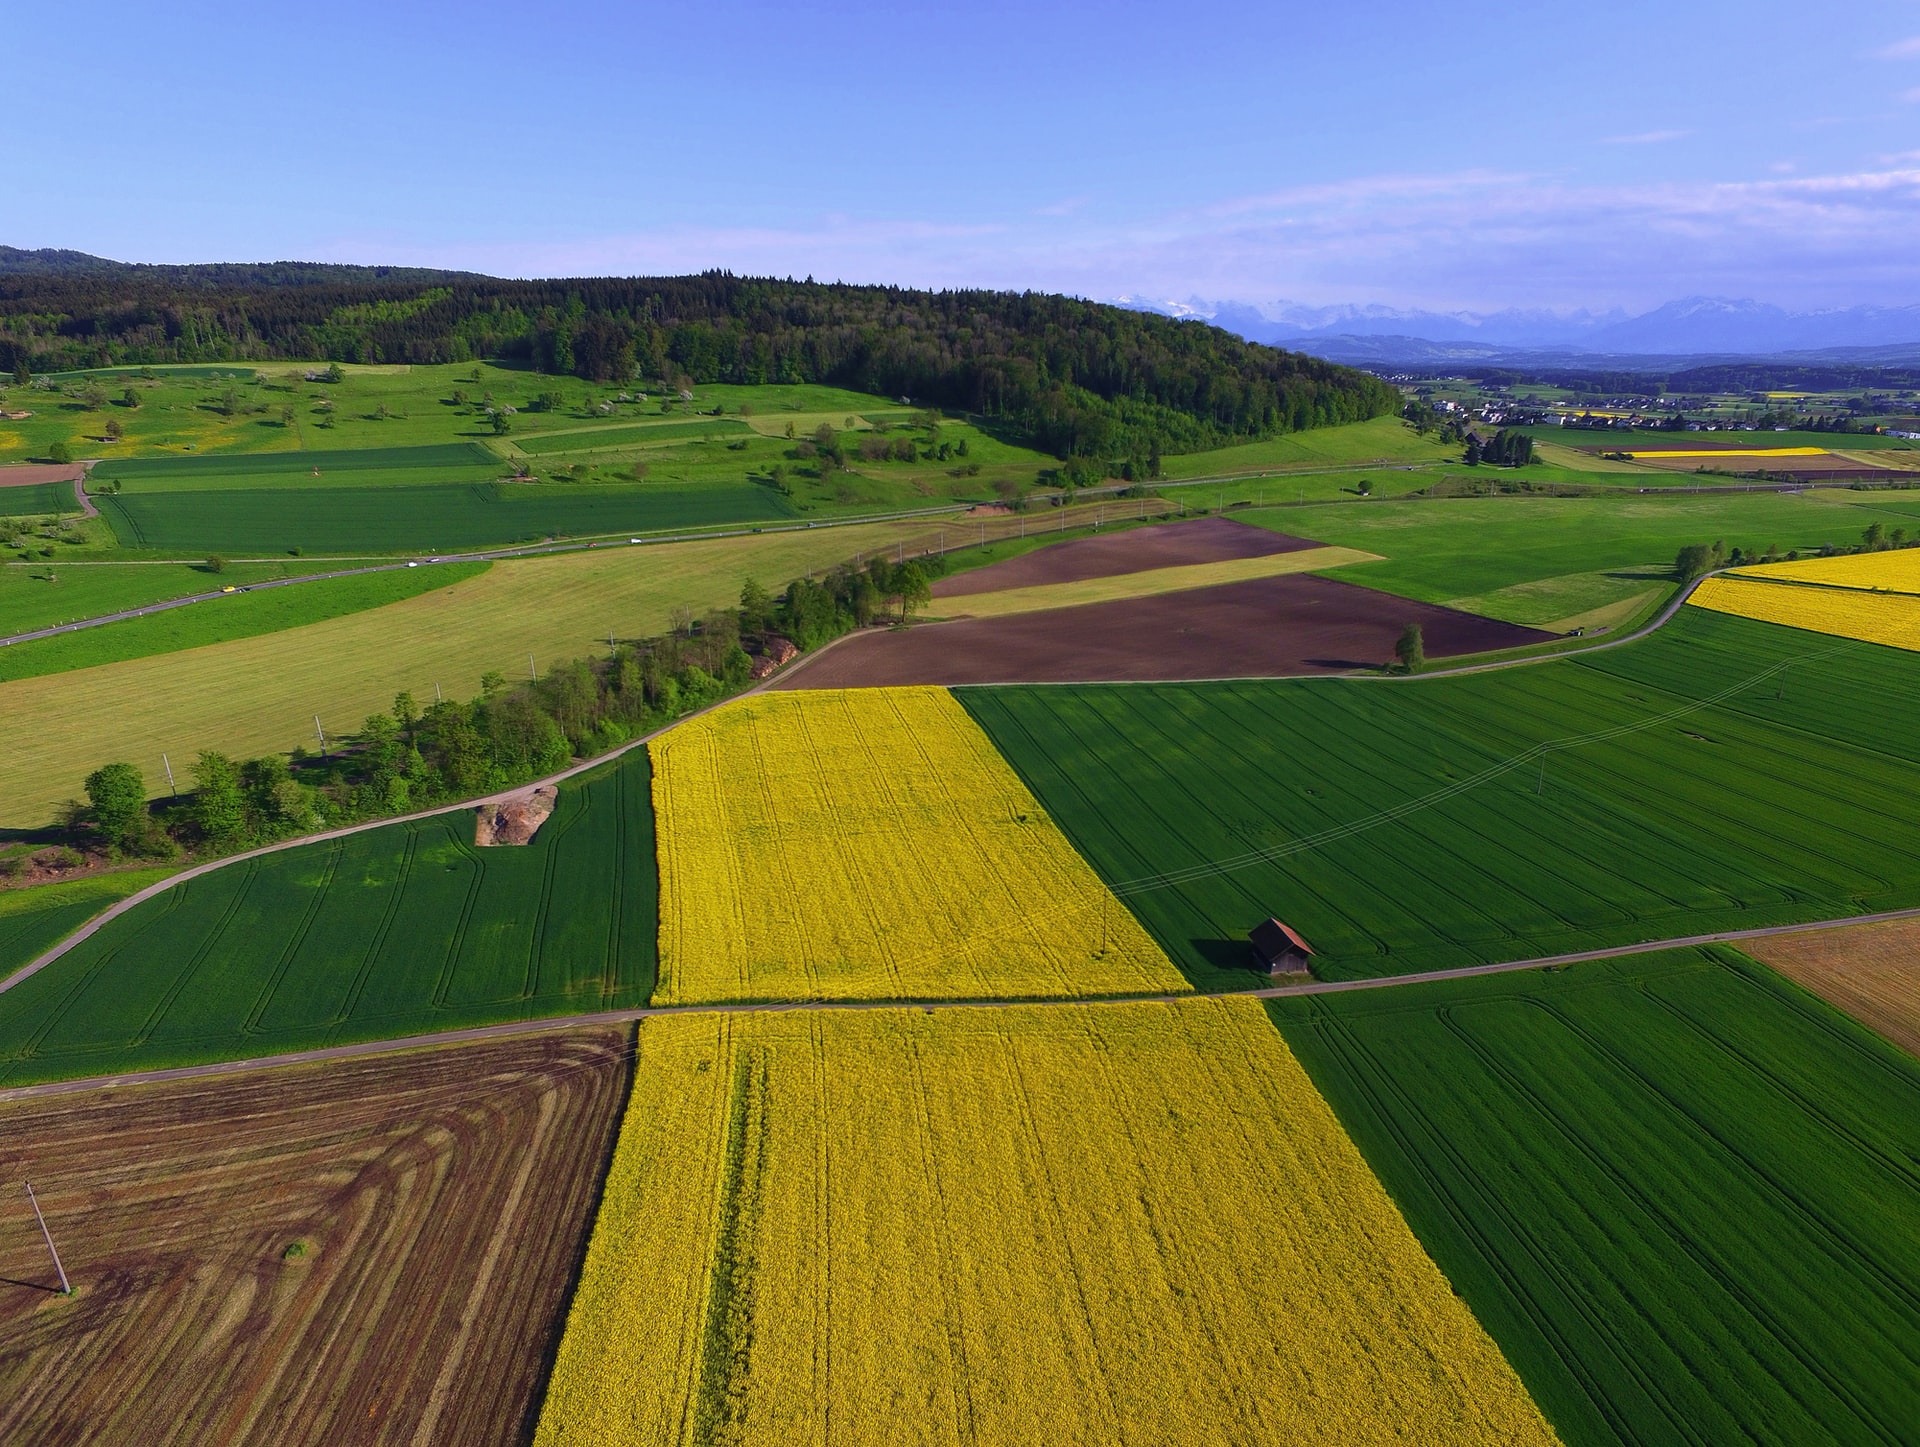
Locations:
(66, 1287)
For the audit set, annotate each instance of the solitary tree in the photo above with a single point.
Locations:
(22, 374)
(119, 798)
(130, 398)
(215, 563)
(112, 430)
(1698, 558)
(911, 587)
(1874, 537)
(1411, 649)
(60, 452)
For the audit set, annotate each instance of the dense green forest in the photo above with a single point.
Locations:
(1078, 378)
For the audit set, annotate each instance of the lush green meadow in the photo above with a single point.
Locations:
(598, 438)
(35, 919)
(422, 519)
(1534, 560)
(1681, 1193)
(458, 462)
(37, 499)
(43, 594)
(1719, 774)
(396, 931)
(225, 619)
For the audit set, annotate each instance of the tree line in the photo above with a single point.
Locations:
(1077, 378)
(1696, 560)
(414, 757)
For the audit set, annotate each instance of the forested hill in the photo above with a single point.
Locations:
(1078, 378)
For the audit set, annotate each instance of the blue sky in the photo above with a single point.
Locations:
(1457, 157)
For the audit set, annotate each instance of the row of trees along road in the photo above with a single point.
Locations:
(415, 757)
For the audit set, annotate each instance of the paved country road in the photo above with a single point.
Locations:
(648, 1012)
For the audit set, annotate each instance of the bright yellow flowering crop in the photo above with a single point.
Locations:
(1895, 571)
(1890, 618)
(1033, 1224)
(872, 844)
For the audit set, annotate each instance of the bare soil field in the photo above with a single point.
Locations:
(1872, 971)
(1266, 628)
(370, 1251)
(1136, 550)
(25, 474)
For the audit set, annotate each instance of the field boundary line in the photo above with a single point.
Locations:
(509, 1028)
(120, 907)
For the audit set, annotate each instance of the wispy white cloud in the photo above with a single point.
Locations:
(1908, 49)
(1912, 96)
(1645, 138)
(1470, 240)
(1066, 207)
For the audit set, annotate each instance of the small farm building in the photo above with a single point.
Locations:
(1279, 950)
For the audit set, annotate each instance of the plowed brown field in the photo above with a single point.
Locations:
(1136, 550)
(1872, 971)
(1266, 628)
(373, 1251)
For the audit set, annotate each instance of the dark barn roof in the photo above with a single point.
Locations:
(1272, 940)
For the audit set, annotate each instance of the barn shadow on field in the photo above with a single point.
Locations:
(1232, 957)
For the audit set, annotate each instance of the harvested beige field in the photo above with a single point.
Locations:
(1872, 971)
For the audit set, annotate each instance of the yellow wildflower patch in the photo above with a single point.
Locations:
(872, 844)
(1889, 618)
(1895, 571)
(1035, 1224)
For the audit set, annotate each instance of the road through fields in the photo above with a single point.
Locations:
(513, 1028)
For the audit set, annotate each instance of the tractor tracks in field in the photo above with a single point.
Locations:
(511, 1028)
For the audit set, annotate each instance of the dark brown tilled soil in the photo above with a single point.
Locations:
(365, 1251)
(1136, 550)
(1267, 628)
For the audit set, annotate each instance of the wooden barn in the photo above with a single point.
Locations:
(1279, 950)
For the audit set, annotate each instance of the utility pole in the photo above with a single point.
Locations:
(437, 698)
(321, 734)
(1541, 782)
(66, 1288)
(532, 672)
(172, 788)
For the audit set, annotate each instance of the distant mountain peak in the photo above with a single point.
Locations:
(1686, 326)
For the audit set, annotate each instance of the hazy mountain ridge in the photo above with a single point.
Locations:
(1689, 326)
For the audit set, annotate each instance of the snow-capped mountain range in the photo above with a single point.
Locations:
(1691, 326)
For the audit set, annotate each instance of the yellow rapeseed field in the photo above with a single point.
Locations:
(1072, 1224)
(872, 844)
(1895, 571)
(1890, 618)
